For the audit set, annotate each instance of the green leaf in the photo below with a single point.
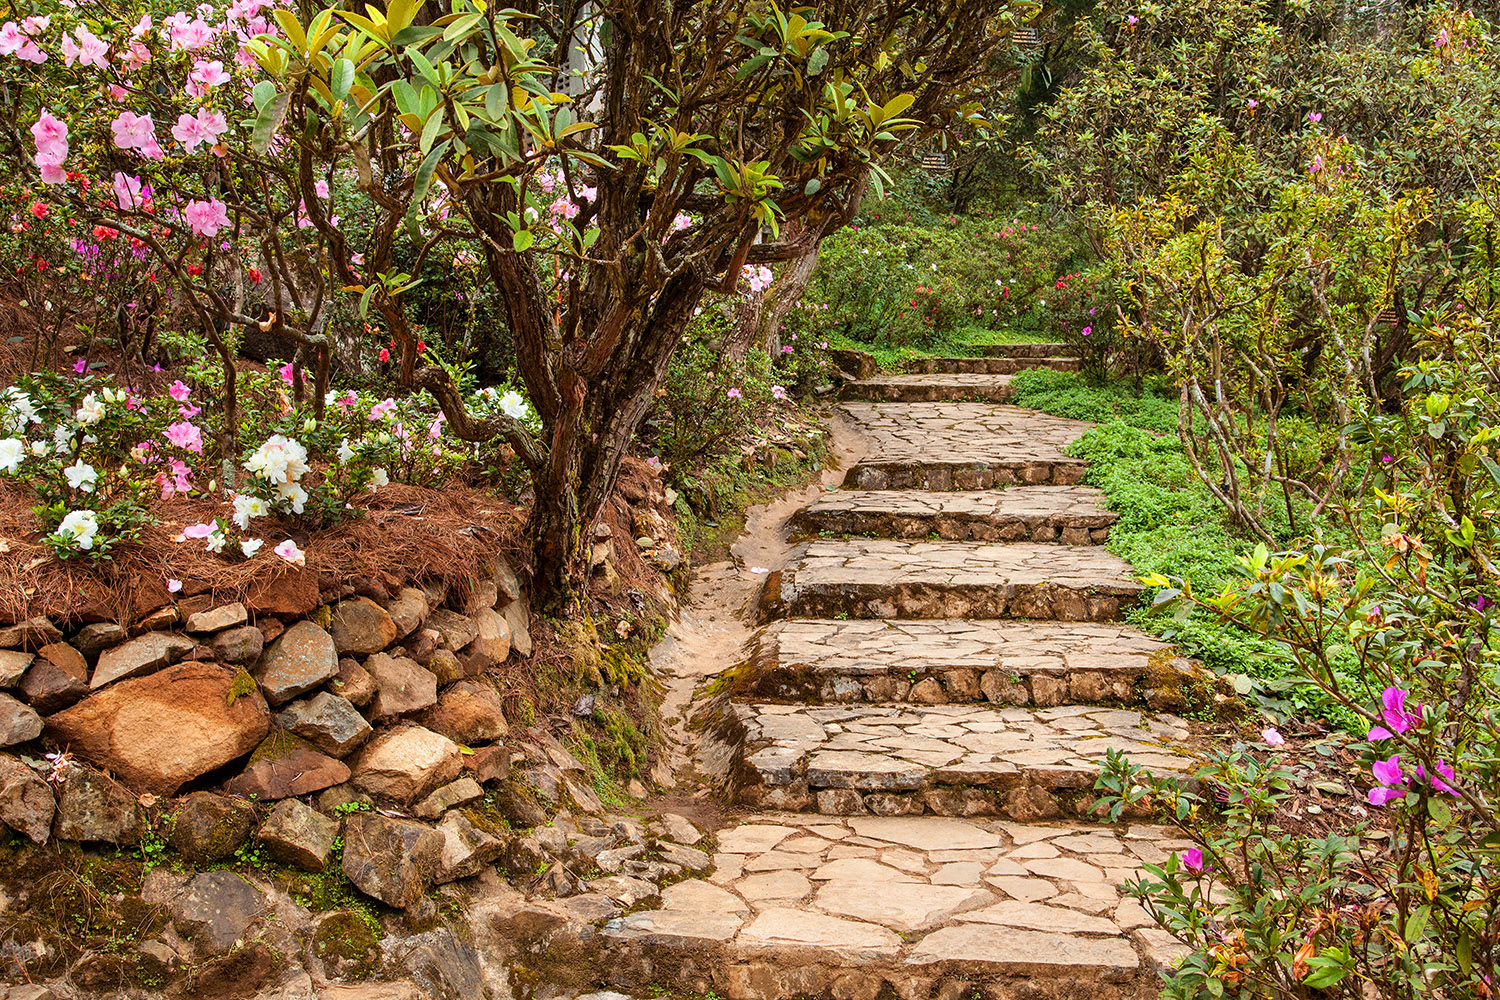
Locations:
(268, 121)
(262, 92)
(423, 182)
(521, 240)
(341, 78)
(1416, 924)
(431, 129)
(818, 61)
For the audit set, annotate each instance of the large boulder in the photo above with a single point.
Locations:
(18, 723)
(159, 731)
(141, 655)
(402, 687)
(285, 766)
(93, 807)
(392, 860)
(361, 626)
(300, 659)
(467, 712)
(328, 722)
(208, 827)
(406, 764)
(26, 802)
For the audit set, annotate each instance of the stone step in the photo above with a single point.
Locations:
(895, 578)
(1073, 515)
(813, 661)
(960, 446)
(988, 366)
(950, 760)
(929, 388)
(907, 906)
(1050, 350)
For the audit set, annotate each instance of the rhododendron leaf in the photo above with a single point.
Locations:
(268, 121)
(341, 78)
(262, 92)
(431, 129)
(461, 26)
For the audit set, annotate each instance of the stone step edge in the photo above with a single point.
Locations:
(877, 391)
(987, 365)
(946, 476)
(1168, 683)
(781, 597)
(958, 526)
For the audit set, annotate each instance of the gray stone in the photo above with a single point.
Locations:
(140, 655)
(18, 722)
(492, 637)
(328, 722)
(296, 834)
(218, 619)
(1013, 952)
(26, 802)
(518, 620)
(454, 794)
(406, 764)
(353, 683)
(457, 630)
(95, 808)
(285, 766)
(94, 639)
(402, 687)
(690, 858)
(679, 829)
(13, 664)
(408, 610)
(208, 827)
(215, 909)
(467, 846)
(392, 860)
(361, 626)
(300, 659)
(32, 634)
(239, 646)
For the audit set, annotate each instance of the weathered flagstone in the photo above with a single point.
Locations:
(929, 388)
(953, 661)
(952, 760)
(887, 578)
(1053, 349)
(960, 446)
(1073, 515)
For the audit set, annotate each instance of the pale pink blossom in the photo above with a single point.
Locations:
(133, 131)
(206, 217)
(130, 193)
(288, 550)
(200, 530)
(191, 130)
(135, 56)
(207, 75)
(116, 92)
(51, 135)
(184, 435)
(320, 188)
(141, 27)
(89, 50)
(383, 409)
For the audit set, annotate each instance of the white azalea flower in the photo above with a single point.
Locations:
(280, 459)
(82, 526)
(246, 507)
(91, 410)
(345, 452)
(81, 476)
(512, 405)
(12, 451)
(379, 478)
(250, 546)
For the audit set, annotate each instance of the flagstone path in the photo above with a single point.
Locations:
(914, 733)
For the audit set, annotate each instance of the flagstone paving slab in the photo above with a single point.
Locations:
(960, 446)
(892, 916)
(1073, 515)
(929, 388)
(896, 578)
(956, 661)
(950, 760)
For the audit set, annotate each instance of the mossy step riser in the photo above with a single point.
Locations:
(956, 527)
(1021, 800)
(1048, 602)
(942, 476)
(988, 366)
(1048, 350)
(882, 392)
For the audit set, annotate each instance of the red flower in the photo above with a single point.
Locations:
(103, 233)
(421, 346)
(41, 265)
(385, 355)
(254, 276)
(39, 209)
(195, 269)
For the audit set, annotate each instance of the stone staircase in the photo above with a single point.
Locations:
(916, 730)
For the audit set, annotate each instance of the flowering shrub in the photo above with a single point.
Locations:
(1268, 911)
(1081, 309)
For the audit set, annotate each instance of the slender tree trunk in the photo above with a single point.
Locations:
(758, 317)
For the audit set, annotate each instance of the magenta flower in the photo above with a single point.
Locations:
(288, 373)
(1440, 780)
(1192, 860)
(1381, 795)
(1315, 116)
(1392, 781)
(1395, 714)
(179, 391)
(81, 365)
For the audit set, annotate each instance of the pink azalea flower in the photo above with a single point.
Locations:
(184, 435)
(288, 550)
(173, 586)
(734, 394)
(11, 38)
(1388, 771)
(130, 192)
(208, 74)
(206, 217)
(50, 135)
(179, 391)
(1192, 860)
(1397, 718)
(133, 131)
(199, 530)
(383, 409)
(1380, 795)
(288, 373)
(89, 50)
(1272, 738)
(320, 188)
(187, 410)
